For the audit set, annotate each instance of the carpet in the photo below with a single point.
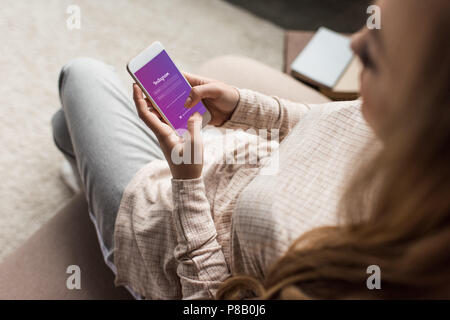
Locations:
(36, 43)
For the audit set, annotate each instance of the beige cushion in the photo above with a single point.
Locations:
(246, 73)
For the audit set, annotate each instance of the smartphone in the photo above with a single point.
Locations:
(165, 86)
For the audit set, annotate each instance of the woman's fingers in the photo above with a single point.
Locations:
(209, 90)
(153, 110)
(149, 116)
(195, 80)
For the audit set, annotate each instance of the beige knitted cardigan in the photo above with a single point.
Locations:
(182, 238)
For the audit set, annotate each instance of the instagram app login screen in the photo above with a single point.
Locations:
(167, 87)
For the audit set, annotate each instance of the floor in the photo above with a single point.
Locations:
(36, 43)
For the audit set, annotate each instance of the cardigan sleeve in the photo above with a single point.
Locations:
(201, 262)
(256, 110)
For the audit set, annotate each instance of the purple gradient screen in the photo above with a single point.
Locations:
(168, 88)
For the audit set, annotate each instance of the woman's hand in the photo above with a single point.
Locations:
(219, 98)
(184, 154)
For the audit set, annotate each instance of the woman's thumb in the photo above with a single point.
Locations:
(209, 90)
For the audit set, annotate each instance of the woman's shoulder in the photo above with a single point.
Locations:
(337, 117)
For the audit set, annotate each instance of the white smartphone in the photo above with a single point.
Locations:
(161, 81)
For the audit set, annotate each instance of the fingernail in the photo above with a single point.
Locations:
(188, 102)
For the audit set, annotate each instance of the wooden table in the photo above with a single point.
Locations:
(294, 42)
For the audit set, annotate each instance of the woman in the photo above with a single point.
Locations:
(183, 237)
(396, 210)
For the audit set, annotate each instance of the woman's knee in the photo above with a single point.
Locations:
(61, 135)
(80, 69)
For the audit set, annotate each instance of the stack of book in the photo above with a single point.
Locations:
(328, 63)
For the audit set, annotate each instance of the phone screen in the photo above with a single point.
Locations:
(168, 88)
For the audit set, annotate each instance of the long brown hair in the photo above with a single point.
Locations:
(396, 211)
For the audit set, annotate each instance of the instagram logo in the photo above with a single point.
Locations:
(162, 78)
